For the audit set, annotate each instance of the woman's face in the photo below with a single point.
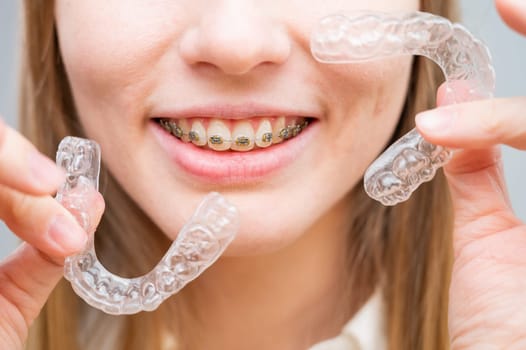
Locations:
(229, 70)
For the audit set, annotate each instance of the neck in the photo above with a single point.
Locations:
(289, 299)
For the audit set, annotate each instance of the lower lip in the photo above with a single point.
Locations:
(231, 166)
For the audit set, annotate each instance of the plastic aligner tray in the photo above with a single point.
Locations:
(464, 60)
(199, 243)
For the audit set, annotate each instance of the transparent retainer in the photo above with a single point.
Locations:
(198, 245)
(464, 60)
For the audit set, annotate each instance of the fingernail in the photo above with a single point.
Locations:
(44, 171)
(437, 121)
(67, 234)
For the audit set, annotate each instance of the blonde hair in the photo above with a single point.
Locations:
(406, 248)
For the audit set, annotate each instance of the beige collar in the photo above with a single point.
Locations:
(365, 331)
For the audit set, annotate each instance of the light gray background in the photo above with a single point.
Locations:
(507, 47)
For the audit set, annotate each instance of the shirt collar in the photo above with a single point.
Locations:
(365, 331)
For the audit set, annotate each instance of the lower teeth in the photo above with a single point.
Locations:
(284, 134)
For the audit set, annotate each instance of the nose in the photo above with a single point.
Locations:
(235, 38)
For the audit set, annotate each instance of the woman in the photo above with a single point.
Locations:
(312, 249)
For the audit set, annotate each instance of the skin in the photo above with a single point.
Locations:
(215, 56)
(130, 72)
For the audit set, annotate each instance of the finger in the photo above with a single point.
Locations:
(479, 194)
(455, 91)
(44, 223)
(478, 124)
(513, 12)
(23, 168)
(27, 277)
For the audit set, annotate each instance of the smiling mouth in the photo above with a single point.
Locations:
(237, 135)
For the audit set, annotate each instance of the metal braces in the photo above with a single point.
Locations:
(285, 133)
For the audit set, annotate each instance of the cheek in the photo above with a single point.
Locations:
(365, 110)
(368, 104)
(108, 49)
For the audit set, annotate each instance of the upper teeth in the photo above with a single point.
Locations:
(218, 136)
(243, 136)
(197, 134)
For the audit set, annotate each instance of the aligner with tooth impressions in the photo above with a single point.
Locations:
(199, 243)
(411, 160)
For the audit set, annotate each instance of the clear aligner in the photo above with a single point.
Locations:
(464, 60)
(199, 243)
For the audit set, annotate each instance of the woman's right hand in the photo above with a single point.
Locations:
(50, 233)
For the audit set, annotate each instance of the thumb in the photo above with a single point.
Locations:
(480, 197)
(27, 278)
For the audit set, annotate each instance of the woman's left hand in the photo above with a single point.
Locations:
(487, 306)
(487, 298)
(488, 285)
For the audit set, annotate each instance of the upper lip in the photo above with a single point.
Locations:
(233, 111)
